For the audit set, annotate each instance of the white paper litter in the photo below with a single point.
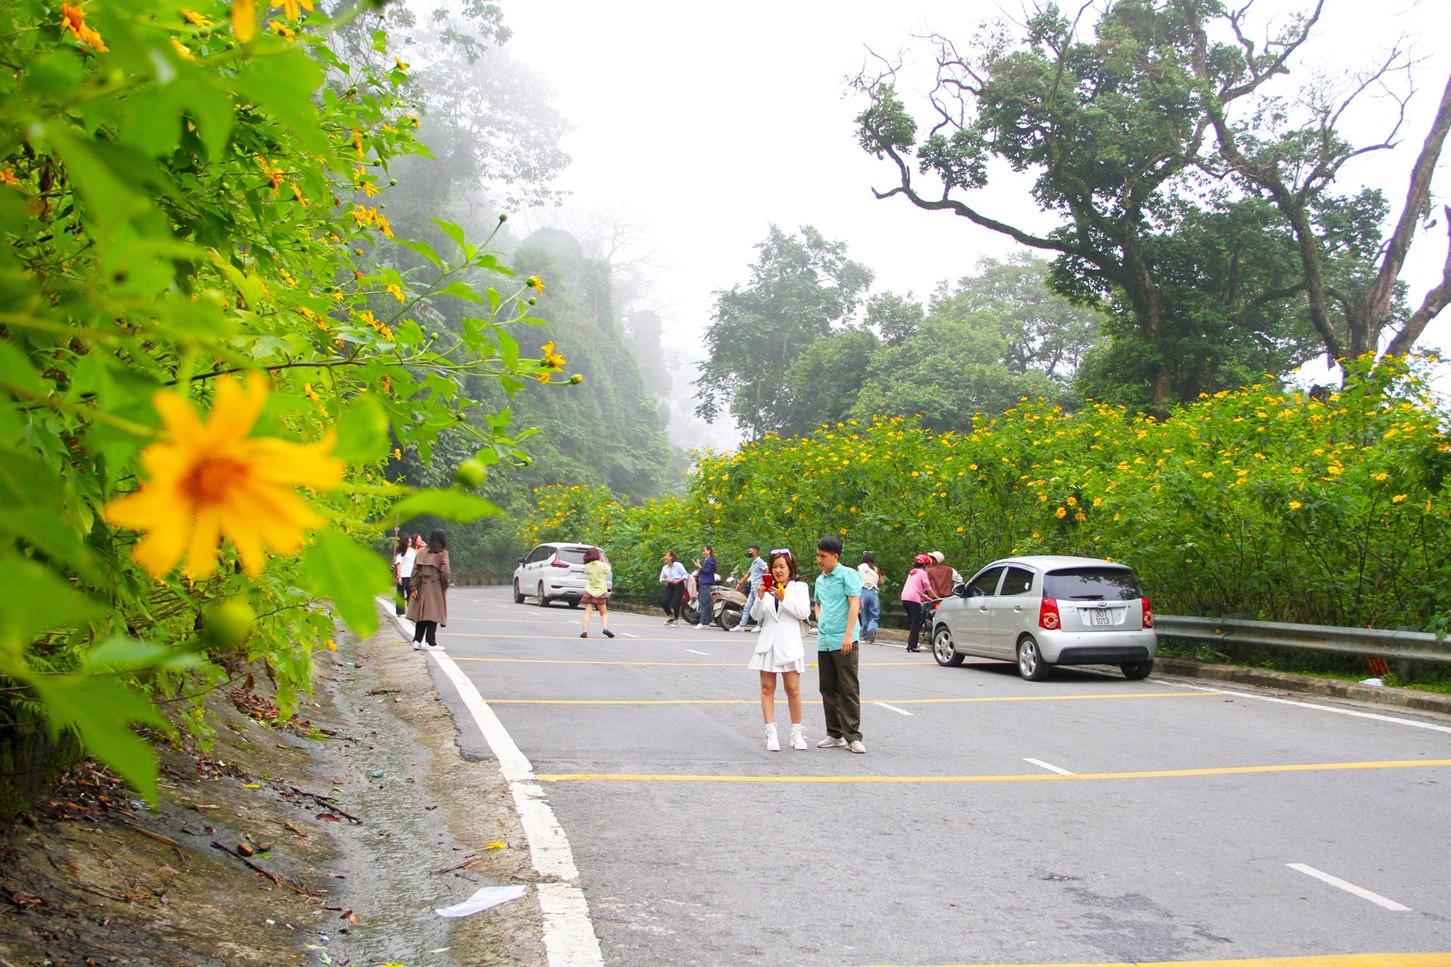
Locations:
(1374, 682)
(489, 896)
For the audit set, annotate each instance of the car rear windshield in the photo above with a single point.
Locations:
(1092, 584)
(571, 555)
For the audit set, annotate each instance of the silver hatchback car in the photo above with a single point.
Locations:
(1046, 611)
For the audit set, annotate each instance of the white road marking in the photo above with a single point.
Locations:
(626, 634)
(1322, 708)
(1049, 766)
(569, 934)
(694, 652)
(1361, 892)
(899, 711)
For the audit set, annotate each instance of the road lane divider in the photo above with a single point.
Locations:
(895, 701)
(1350, 888)
(1331, 960)
(1048, 765)
(569, 934)
(893, 708)
(1353, 713)
(1033, 777)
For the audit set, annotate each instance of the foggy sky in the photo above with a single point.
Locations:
(702, 124)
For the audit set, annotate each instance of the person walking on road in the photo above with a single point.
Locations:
(781, 604)
(838, 602)
(916, 589)
(428, 597)
(749, 585)
(672, 595)
(704, 580)
(872, 579)
(596, 590)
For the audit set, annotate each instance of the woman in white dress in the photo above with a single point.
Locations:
(781, 606)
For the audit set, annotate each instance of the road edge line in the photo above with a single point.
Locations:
(569, 934)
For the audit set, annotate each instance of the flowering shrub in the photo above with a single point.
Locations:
(1259, 501)
(211, 343)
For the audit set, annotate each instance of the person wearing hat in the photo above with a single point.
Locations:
(914, 590)
(872, 580)
(749, 585)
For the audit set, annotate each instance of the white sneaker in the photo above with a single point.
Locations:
(798, 738)
(832, 742)
(773, 744)
(856, 746)
(701, 627)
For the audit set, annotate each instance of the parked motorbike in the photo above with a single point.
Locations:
(728, 606)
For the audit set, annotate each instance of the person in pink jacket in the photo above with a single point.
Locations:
(916, 589)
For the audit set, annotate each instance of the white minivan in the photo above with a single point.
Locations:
(551, 571)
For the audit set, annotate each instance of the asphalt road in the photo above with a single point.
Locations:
(1085, 819)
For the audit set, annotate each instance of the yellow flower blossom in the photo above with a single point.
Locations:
(1398, 498)
(212, 480)
(244, 19)
(533, 282)
(396, 291)
(194, 18)
(1061, 513)
(292, 9)
(182, 51)
(1295, 505)
(550, 359)
(72, 18)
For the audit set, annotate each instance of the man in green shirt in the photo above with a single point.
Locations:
(838, 599)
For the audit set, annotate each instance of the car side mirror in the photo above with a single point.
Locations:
(960, 590)
(521, 560)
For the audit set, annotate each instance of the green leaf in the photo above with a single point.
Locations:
(282, 85)
(449, 504)
(461, 290)
(337, 567)
(122, 654)
(50, 604)
(362, 431)
(457, 234)
(102, 710)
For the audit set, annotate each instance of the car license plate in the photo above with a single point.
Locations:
(1103, 617)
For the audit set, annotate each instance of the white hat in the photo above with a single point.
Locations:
(937, 557)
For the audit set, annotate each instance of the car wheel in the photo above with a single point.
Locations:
(518, 595)
(730, 617)
(942, 649)
(1136, 670)
(1030, 661)
(543, 601)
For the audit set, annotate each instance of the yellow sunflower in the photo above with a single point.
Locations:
(212, 480)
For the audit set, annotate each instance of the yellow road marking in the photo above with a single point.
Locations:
(1334, 960)
(1033, 777)
(895, 701)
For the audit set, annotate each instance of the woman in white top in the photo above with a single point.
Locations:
(782, 604)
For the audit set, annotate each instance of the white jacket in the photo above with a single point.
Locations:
(781, 622)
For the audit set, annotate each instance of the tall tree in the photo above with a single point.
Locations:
(1296, 168)
(802, 288)
(1125, 129)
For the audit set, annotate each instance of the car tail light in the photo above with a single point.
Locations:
(1048, 615)
(1148, 614)
(558, 563)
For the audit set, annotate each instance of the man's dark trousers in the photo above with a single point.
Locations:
(841, 693)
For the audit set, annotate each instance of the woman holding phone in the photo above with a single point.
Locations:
(782, 605)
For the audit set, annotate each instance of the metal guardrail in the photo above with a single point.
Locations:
(1358, 642)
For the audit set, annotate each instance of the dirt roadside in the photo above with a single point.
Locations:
(329, 841)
